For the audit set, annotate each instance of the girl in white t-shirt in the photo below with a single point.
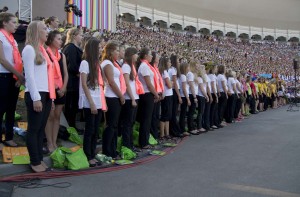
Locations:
(129, 109)
(202, 97)
(222, 85)
(90, 99)
(184, 92)
(191, 80)
(166, 103)
(174, 73)
(206, 115)
(214, 116)
(114, 90)
(146, 102)
(232, 96)
(9, 85)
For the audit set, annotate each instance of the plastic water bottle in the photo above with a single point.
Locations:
(19, 131)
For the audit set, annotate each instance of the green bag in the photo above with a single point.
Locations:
(77, 160)
(152, 140)
(59, 157)
(119, 144)
(135, 138)
(74, 137)
(17, 116)
(127, 154)
(22, 88)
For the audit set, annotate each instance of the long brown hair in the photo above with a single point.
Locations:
(91, 55)
(144, 51)
(163, 64)
(108, 49)
(129, 52)
(183, 68)
(5, 17)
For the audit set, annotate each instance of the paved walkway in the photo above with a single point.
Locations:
(258, 157)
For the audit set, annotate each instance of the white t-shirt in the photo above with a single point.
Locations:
(127, 70)
(107, 89)
(95, 94)
(208, 82)
(167, 91)
(200, 81)
(173, 72)
(36, 76)
(8, 52)
(221, 78)
(190, 78)
(183, 79)
(213, 78)
(143, 71)
(231, 81)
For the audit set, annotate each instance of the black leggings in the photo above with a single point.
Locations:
(206, 116)
(191, 112)
(238, 106)
(146, 105)
(214, 117)
(92, 123)
(71, 107)
(182, 116)
(201, 107)
(231, 104)
(110, 134)
(155, 120)
(222, 106)
(174, 126)
(36, 127)
(8, 101)
(127, 120)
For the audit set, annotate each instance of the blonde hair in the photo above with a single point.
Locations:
(71, 34)
(33, 39)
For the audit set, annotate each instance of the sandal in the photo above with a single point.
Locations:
(147, 147)
(10, 143)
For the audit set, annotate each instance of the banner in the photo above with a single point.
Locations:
(96, 14)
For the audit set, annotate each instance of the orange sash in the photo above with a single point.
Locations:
(156, 77)
(161, 82)
(101, 86)
(57, 72)
(51, 85)
(122, 80)
(138, 85)
(16, 54)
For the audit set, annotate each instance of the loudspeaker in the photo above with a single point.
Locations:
(296, 65)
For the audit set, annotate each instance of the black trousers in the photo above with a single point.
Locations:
(182, 116)
(36, 127)
(174, 126)
(191, 112)
(222, 106)
(214, 116)
(146, 105)
(231, 104)
(201, 107)
(166, 109)
(238, 106)
(155, 120)
(127, 120)
(8, 101)
(71, 107)
(110, 133)
(91, 132)
(206, 116)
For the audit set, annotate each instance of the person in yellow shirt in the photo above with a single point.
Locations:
(273, 89)
(260, 93)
